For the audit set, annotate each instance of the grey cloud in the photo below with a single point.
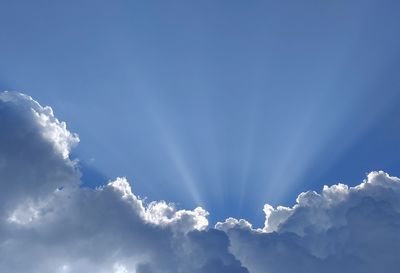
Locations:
(32, 163)
(341, 229)
(48, 223)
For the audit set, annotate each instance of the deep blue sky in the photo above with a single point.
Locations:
(224, 104)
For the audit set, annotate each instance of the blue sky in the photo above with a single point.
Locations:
(224, 104)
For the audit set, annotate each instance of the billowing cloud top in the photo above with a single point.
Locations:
(48, 223)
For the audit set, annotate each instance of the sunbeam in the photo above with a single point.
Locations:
(206, 136)
(176, 156)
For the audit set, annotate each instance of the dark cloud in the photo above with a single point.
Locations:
(50, 224)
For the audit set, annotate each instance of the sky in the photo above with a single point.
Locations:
(51, 223)
(225, 105)
(199, 136)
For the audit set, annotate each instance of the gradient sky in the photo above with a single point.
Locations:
(223, 104)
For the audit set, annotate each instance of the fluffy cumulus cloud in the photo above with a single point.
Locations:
(49, 224)
(341, 229)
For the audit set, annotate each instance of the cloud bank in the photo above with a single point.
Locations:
(48, 223)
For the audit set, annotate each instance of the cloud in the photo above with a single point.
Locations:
(50, 223)
(341, 229)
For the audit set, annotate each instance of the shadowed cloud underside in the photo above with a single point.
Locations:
(50, 223)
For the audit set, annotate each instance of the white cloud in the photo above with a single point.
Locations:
(49, 224)
(231, 223)
(52, 129)
(341, 229)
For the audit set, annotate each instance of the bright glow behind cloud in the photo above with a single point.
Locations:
(49, 224)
